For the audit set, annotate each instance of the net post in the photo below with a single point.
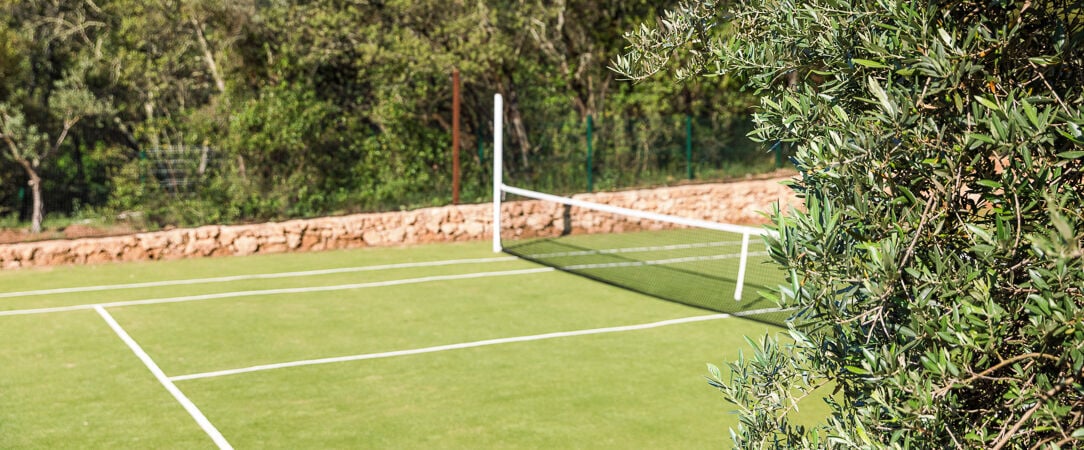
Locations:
(741, 266)
(498, 167)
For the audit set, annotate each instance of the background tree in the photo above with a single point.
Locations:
(937, 271)
(223, 111)
(47, 93)
(168, 60)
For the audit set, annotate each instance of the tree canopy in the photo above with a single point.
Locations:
(199, 111)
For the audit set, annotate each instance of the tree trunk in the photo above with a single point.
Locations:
(515, 119)
(208, 56)
(39, 208)
(37, 213)
(517, 127)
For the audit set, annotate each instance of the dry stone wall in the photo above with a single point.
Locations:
(739, 202)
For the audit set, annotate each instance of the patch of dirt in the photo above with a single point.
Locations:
(76, 231)
(73, 231)
(9, 236)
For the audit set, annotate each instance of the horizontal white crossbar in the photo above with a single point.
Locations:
(696, 223)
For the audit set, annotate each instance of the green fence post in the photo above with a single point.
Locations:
(481, 149)
(778, 156)
(481, 158)
(689, 146)
(21, 201)
(590, 181)
(142, 167)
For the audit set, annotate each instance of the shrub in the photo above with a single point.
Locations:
(936, 270)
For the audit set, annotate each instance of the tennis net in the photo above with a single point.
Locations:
(713, 266)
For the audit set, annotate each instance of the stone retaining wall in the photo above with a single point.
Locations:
(739, 203)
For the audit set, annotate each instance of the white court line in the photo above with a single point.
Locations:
(194, 411)
(189, 298)
(340, 287)
(259, 276)
(441, 348)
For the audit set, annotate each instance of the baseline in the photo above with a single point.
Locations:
(259, 276)
(440, 348)
(192, 409)
(339, 287)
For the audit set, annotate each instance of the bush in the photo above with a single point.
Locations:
(936, 271)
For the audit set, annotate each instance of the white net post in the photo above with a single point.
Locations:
(741, 266)
(498, 167)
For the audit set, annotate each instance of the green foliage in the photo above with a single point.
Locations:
(937, 270)
(47, 94)
(283, 139)
(325, 107)
(638, 149)
(129, 186)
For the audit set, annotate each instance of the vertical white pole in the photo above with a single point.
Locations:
(741, 266)
(498, 167)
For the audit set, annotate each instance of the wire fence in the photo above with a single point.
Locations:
(561, 157)
(627, 152)
(180, 169)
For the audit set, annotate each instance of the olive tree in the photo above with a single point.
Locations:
(44, 92)
(936, 272)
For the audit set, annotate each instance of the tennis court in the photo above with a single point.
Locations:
(447, 346)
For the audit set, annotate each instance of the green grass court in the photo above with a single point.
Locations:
(439, 346)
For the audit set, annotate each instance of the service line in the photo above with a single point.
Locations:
(441, 348)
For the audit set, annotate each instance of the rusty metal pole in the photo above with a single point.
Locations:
(455, 137)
